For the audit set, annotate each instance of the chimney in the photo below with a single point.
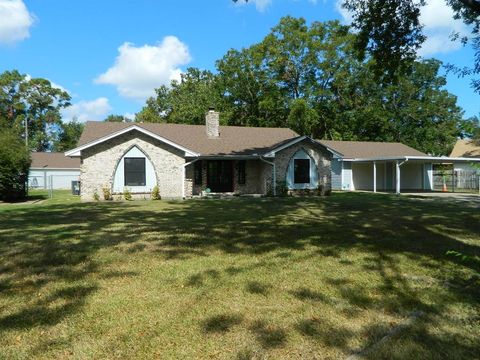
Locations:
(212, 123)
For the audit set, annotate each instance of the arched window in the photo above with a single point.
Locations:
(302, 172)
(135, 172)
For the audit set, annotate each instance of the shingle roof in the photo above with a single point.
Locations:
(370, 149)
(233, 140)
(466, 148)
(54, 160)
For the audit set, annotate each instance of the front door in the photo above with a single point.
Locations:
(220, 175)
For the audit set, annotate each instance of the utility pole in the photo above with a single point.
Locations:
(26, 131)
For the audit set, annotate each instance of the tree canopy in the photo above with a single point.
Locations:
(310, 78)
(34, 100)
(67, 135)
(390, 32)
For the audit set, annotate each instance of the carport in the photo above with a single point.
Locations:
(400, 173)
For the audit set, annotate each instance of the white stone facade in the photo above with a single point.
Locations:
(99, 163)
(320, 156)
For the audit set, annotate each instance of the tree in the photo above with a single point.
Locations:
(309, 78)
(391, 33)
(14, 165)
(34, 100)
(185, 101)
(117, 118)
(68, 135)
(302, 118)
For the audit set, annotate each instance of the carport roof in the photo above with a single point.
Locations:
(370, 149)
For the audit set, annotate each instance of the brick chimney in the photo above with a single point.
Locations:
(212, 123)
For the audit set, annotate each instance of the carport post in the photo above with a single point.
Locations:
(397, 166)
(374, 176)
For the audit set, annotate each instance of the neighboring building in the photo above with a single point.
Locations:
(185, 160)
(53, 168)
(466, 149)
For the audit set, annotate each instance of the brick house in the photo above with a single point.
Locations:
(185, 160)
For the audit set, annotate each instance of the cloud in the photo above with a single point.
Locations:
(137, 71)
(437, 18)
(260, 5)
(15, 21)
(87, 110)
(130, 116)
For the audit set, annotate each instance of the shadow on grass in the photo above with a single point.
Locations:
(220, 323)
(256, 287)
(269, 336)
(57, 243)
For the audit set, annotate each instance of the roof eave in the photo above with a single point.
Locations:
(77, 151)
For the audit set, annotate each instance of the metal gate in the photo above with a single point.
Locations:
(461, 181)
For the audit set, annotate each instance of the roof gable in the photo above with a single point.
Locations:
(466, 148)
(132, 127)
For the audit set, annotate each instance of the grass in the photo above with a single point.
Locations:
(239, 279)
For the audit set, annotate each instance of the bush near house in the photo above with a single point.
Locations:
(14, 165)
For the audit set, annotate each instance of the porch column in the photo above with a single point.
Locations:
(397, 166)
(374, 176)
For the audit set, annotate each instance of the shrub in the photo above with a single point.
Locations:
(96, 197)
(14, 166)
(127, 194)
(156, 193)
(107, 194)
(282, 188)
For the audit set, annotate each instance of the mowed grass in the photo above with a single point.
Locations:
(240, 279)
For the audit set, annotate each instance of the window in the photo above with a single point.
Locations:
(301, 171)
(197, 172)
(134, 171)
(242, 176)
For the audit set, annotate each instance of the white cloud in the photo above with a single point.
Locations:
(15, 21)
(130, 116)
(88, 110)
(260, 5)
(346, 15)
(139, 70)
(437, 18)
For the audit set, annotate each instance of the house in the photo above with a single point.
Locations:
(52, 170)
(466, 149)
(467, 174)
(186, 160)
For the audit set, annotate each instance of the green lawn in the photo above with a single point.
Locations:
(241, 278)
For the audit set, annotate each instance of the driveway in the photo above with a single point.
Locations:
(472, 199)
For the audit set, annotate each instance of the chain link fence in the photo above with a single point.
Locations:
(456, 181)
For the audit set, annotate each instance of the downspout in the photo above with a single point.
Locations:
(183, 175)
(274, 175)
(398, 187)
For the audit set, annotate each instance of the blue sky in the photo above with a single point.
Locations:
(110, 55)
